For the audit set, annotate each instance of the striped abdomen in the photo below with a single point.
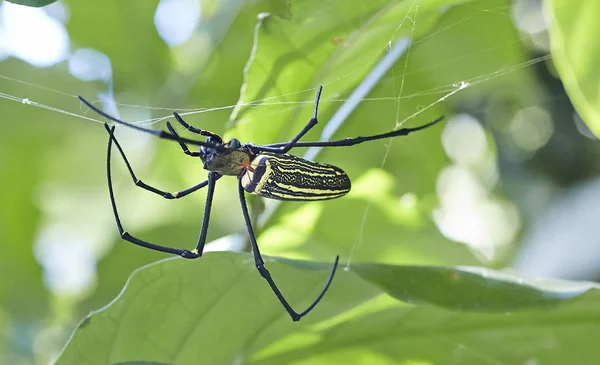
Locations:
(288, 177)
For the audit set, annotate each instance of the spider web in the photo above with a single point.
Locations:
(397, 49)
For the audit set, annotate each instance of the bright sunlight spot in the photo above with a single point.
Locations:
(32, 35)
(69, 263)
(374, 184)
(531, 128)
(58, 11)
(459, 130)
(294, 229)
(176, 20)
(469, 215)
(89, 65)
(468, 212)
(528, 16)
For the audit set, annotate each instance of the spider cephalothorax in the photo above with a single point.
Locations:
(231, 161)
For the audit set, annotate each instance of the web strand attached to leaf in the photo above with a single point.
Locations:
(361, 230)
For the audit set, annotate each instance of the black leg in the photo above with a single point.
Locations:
(138, 182)
(197, 252)
(160, 134)
(285, 147)
(353, 141)
(184, 147)
(260, 265)
(201, 132)
(212, 179)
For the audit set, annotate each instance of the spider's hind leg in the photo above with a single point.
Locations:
(260, 265)
(210, 182)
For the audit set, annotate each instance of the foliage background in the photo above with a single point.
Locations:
(525, 200)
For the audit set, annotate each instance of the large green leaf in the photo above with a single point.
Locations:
(223, 292)
(576, 54)
(430, 335)
(218, 310)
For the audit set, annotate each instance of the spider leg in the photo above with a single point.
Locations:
(285, 147)
(357, 140)
(140, 183)
(197, 252)
(160, 134)
(184, 147)
(260, 265)
(201, 132)
(212, 179)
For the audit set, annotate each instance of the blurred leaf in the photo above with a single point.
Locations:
(227, 29)
(215, 78)
(32, 3)
(125, 32)
(19, 216)
(475, 45)
(576, 54)
(422, 78)
(219, 310)
(337, 44)
(334, 43)
(28, 144)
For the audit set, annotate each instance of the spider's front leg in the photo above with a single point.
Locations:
(140, 183)
(183, 146)
(285, 147)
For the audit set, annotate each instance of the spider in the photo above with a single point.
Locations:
(266, 170)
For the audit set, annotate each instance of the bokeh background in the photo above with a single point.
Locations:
(508, 181)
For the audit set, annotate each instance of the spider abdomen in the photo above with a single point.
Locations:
(288, 177)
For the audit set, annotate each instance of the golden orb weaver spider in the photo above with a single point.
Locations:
(266, 170)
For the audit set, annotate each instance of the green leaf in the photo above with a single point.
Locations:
(576, 54)
(430, 335)
(32, 3)
(219, 310)
(475, 289)
(163, 313)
